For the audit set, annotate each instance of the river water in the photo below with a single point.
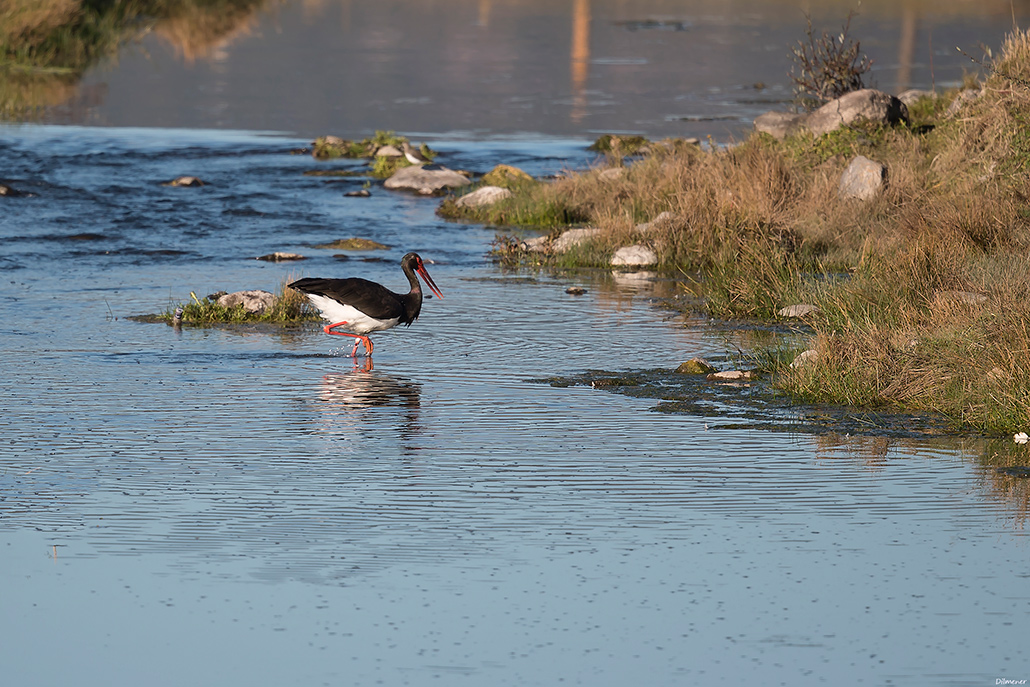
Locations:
(245, 506)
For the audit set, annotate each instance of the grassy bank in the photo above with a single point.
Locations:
(923, 291)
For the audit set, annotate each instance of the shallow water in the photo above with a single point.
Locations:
(250, 507)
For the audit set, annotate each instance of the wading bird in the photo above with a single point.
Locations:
(413, 154)
(361, 306)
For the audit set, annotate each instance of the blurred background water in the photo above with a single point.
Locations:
(580, 67)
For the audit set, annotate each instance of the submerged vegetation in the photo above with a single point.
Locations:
(923, 291)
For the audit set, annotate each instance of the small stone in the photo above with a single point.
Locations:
(573, 237)
(914, 95)
(805, 358)
(730, 376)
(6, 190)
(634, 256)
(575, 290)
(964, 297)
(280, 256)
(1020, 437)
(255, 301)
(967, 96)
(389, 151)
(537, 244)
(696, 366)
(485, 195)
(612, 174)
(362, 193)
(799, 310)
(185, 181)
(662, 221)
(862, 180)
(996, 374)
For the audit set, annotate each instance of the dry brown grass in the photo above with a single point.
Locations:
(26, 20)
(924, 291)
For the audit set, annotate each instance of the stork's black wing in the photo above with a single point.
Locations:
(375, 300)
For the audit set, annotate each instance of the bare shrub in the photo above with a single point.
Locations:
(826, 67)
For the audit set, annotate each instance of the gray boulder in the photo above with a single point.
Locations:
(573, 237)
(779, 125)
(862, 180)
(253, 301)
(634, 256)
(967, 96)
(912, 95)
(427, 180)
(869, 104)
(486, 195)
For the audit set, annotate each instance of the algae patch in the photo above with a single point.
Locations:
(353, 244)
(751, 405)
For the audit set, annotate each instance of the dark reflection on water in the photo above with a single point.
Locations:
(436, 516)
(346, 394)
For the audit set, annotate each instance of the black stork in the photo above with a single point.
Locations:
(361, 306)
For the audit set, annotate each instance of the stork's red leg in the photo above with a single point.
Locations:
(328, 329)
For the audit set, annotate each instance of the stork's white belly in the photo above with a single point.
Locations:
(357, 321)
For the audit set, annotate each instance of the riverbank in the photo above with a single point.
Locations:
(921, 292)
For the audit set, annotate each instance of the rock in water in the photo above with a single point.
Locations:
(573, 237)
(505, 176)
(253, 301)
(634, 256)
(696, 366)
(486, 195)
(185, 181)
(426, 180)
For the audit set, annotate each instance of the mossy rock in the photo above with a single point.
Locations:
(620, 145)
(330, 147)
(353, 244)
(696, 366)
(506, 176)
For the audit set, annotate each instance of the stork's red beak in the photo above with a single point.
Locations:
(422, 272)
